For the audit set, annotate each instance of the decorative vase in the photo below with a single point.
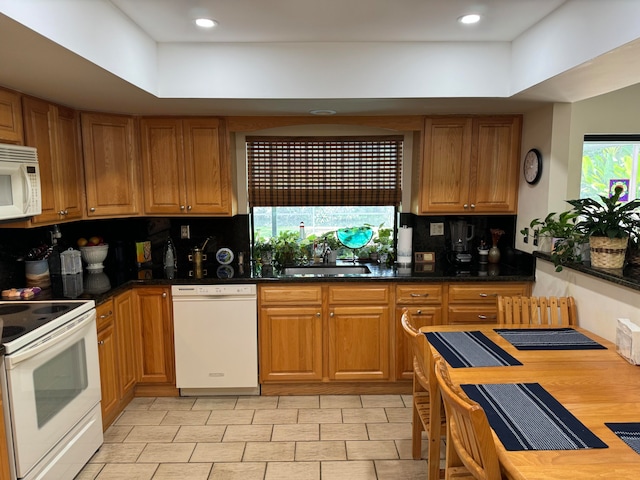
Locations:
(608, 252)
(494, 255)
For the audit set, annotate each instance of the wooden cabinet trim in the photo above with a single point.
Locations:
(290, 295)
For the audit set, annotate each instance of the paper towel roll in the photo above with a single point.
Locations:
(405, 240)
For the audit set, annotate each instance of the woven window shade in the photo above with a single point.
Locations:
(317, 171)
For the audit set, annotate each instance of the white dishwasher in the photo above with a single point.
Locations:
(216, 339)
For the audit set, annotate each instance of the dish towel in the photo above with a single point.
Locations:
(527, 417)
(548, 339)
(470, 349)
(629, 433)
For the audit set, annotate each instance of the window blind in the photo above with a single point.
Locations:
(321, 171)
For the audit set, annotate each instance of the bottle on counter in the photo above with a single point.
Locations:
(169, 254)
(54, 257)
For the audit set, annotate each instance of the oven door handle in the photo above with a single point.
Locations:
(52, 339)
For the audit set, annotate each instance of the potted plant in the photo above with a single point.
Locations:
(608, 225)
(383, 243)
(554, 229)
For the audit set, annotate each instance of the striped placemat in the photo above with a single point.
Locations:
(629, 433)
(469, 349)
(548, 339)
(527, 417)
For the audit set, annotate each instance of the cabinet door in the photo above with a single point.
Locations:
(207, 168)
(125, 330)
(163, 166)
(108, 373)
(154, 334)
(111, 171)
(446, 165)
(290, 344)
(496, 144)
(10, 117)
(422, 316)
(359, 343)
(69, 164)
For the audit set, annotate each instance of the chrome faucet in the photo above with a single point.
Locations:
(326, 249)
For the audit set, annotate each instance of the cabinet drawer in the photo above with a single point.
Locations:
(418, 294)
(291, 295)
(485, 292)
(477, 314)
(358, 294)
(104, 314)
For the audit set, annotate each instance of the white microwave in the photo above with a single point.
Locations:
(20, 194)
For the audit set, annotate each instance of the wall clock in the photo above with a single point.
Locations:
(532, 167)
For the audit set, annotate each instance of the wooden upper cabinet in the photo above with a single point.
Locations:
(55, 132)
(470, 165)
(111, 171)
(185, 168)
(10, 117)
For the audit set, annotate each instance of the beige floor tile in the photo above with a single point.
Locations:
(405, 449)
(140, 403)
(343, 431)
(364, 470)
(256, 402)
(371, 450)
(293, 433)
(320, 415)
(402, 414)
(166, 452)
(180, 417)
(269, 452)
(152, 433)
(364, 415)
(230, 417)
(90, 471)
(128, 471)
(276, 416)
(183, 471)
(215, 403)
(389, 431)
(118, 453)
(173, 403)
(218, 452)
(317, 451)
(200, 433)
(117, 433)
(248, 433)
(293, 471)
(141, 417)
(340, 401)
(369, 401)
(299, 401)
(238, 471)
(407, 399)
(401, 469)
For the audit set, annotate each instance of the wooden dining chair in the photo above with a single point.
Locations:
(428, 412)
(552, 311)
(471, 450)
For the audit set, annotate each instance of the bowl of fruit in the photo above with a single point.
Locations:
(93, 252)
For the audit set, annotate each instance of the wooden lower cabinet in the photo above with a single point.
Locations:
(125, 327)
(476, 302)
(107, 357)
(154, 337)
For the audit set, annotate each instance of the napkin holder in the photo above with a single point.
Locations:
(628, 340)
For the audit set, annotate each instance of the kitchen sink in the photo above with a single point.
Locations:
(327, 270)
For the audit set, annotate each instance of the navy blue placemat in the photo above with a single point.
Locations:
(629, 433)
(527, 417)
(548, 339)
(469, 349)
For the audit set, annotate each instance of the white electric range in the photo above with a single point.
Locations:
(51, 386)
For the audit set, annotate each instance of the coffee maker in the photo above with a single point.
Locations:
(461, 234)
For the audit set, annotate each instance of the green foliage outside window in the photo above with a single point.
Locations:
(602, 162)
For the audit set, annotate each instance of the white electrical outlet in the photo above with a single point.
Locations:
(185, 231)
(436, 229)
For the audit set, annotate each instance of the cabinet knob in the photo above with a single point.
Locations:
(92, 209)
(318, 314)
(66, 212)
(419, 295)
(189, 207)
(61, 212)
(419, 312)
(466, 205)
(108, 314)
(101, 342)
(485, 295)
(181, 207)
(487, 317)
(473, 205)
(331, 314)
(164, 294)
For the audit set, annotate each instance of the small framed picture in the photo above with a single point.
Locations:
(424, 257)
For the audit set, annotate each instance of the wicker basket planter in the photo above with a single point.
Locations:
(608, 252)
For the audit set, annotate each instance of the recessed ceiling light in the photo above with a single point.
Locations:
(205, 22)
(322, 112)
(469, 19)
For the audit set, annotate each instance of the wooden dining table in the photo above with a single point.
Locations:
(596, 386)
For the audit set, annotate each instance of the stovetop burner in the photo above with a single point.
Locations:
(11, 331)
(11, 309)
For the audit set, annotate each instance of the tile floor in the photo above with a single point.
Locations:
(320, 437)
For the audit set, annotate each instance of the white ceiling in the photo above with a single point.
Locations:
(34, 60)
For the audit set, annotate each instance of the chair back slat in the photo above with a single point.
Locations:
(552, 311)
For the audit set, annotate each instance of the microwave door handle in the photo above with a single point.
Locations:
(27, 188)
(50, 341)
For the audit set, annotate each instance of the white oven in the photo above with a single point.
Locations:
(52, 389)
